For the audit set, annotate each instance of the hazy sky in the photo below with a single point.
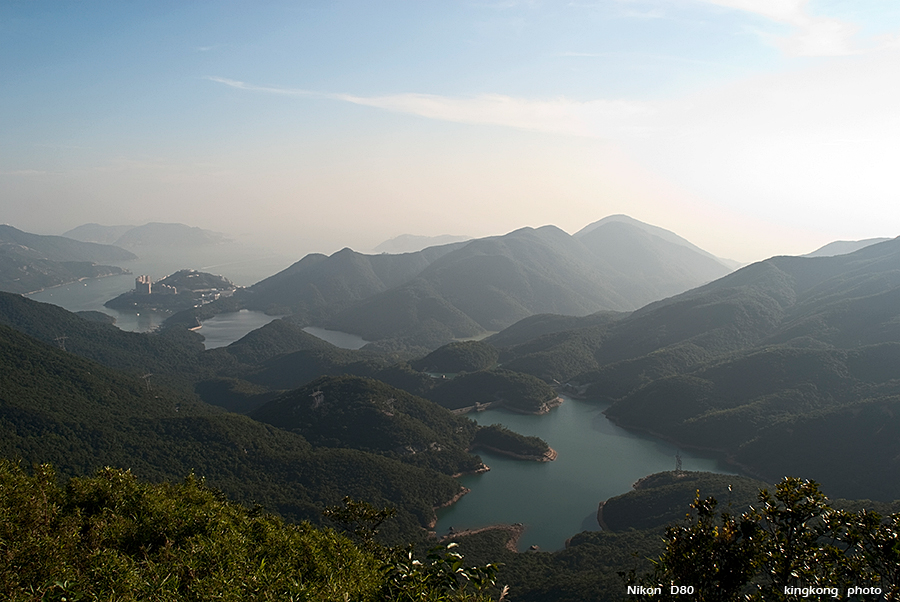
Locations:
(750, 127)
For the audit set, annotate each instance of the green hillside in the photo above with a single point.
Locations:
(460, 356)
(512, 390)
(425, 299)
(364, 414)
(59, 408)
(487, 285)
(114, 537)
(786, 365)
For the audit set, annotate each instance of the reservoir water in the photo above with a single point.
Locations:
(555, 500)
(225, 329)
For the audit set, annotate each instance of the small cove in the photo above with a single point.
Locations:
(555, 500)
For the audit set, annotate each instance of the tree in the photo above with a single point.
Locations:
(794, 547)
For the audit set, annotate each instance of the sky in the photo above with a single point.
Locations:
(750, 127)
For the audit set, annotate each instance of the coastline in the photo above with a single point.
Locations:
(50, 288)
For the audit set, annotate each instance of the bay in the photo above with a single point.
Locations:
(555, 500)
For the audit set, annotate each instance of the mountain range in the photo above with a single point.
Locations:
(785, 365)
(153, 234)
(410, 243)
(467, 289)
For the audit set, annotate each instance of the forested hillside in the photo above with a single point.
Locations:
(81, 416)
(785, 365)
(419, 301)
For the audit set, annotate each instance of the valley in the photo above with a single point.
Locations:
(360, 375)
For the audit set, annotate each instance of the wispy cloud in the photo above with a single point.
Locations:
(593, 118)
(812, 35)
(271, 90)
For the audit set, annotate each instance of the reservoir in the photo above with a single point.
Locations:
(224, 329)
(555, 500)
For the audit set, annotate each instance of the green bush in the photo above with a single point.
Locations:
(112, 537)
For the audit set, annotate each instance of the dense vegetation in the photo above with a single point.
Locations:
(419, 301)
(792, 542)
(56, 407)
(113, 537)
(459, 356)
(785, 365)
(788, 365)
(368, 415)
(660, 499)
(513, 390)
(498, 437)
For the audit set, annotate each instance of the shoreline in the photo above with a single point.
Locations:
(600, 520)
(50, 288)
(722, 454)
(547, 456)
(434, 519)
(515, 532)
(481, 469)
(502, 404)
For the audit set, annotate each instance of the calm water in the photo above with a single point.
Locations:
(225, 329)
(337, 338)
(238, 265)
(555, 500)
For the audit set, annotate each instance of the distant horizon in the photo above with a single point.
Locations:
(749, 127)
(286, 252)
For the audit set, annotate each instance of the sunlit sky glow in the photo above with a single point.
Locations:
(751, 127)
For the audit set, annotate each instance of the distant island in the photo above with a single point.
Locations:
(182, 290)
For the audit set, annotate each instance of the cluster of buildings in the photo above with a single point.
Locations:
(143, 286)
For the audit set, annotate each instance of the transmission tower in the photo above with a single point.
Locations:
(678, 461)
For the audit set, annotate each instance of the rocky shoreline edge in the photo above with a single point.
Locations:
(547, 456)
(512, 544)
(480, 407)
